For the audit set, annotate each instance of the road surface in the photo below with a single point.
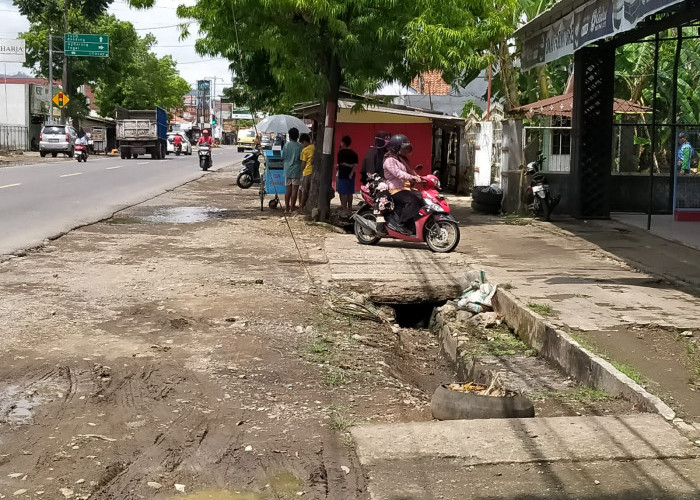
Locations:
(43, 200)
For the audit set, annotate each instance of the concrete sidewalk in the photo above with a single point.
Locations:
(617, 293)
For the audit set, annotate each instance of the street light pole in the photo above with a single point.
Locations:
(50, 79)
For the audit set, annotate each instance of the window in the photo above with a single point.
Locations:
(561, 139)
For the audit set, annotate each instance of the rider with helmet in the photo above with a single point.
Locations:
(400, 176)
(205, 138)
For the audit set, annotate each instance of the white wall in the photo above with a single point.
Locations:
(14, 104)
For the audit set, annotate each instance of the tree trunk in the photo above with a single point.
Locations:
(542, 82)
(325, 172)
(508, 76)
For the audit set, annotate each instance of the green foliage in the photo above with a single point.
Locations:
(470, 106)
(132, 77)
(541, 309)
(284, 52)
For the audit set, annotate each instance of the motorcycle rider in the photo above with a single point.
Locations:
(82, 140)
(205, 138)
(400, 176)
(177, 142)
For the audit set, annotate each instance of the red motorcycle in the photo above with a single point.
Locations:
(80, 152)
(434, 225)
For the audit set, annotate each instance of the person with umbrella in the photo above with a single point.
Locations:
(291, 158)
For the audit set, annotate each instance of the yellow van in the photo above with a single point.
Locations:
(246, 139)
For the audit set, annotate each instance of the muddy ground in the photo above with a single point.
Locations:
(180, 349)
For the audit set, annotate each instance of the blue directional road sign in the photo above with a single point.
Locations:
(76, 44)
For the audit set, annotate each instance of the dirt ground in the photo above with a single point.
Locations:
(174, 350)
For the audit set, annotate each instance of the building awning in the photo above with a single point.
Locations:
(563, 105)
(572, 24)
(347, 113)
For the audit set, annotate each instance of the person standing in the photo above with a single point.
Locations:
(374, 159)
(685, 153)
(345, 184)
(307, 156)
(291, 158)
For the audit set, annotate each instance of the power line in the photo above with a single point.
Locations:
(163, 27)
(203, 60)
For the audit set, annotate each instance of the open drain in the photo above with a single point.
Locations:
(414, 314)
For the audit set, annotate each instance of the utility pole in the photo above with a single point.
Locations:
(64, 81)
(50, 78)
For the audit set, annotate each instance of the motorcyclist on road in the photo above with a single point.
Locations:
(400, 176)
(205, 138)
(177, 141)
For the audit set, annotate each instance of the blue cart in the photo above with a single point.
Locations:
(274, 178)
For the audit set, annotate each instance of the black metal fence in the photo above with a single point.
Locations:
(14, 138)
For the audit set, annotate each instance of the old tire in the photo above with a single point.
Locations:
(447, 404)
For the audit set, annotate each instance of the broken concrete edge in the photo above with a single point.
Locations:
(581, 364)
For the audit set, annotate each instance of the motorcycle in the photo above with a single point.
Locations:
(434, 225)
(204, 156)
(80, 152)
(539, 200)
(249, 173)
(178, 149)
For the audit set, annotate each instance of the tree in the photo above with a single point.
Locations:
(307, 49)
(131, 76)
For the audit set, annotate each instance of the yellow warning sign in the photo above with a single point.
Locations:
(60, 99)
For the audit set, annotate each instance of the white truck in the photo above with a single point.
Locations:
(141, 132)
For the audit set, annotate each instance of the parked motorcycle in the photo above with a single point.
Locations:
(249, 173)
(434, 225)
(539, 200)
(204, 156)
(80, 152)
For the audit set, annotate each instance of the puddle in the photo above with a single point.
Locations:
(17, 404)
(222, 495)
(174, 215)
(281, 486)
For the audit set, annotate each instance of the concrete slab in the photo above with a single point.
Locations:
(455, 479)
(505, 441)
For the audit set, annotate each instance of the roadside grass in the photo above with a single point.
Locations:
(339, 421)
(624, 368)
(541, 309)
(516, 220)
(336, 377)
(318, 350)
(584, 395)
(497, 341)
(507, 286)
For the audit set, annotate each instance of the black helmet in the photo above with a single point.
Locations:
(398, 143)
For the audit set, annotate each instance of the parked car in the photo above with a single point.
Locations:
(186, 144)
(246, 139)
(56, 139)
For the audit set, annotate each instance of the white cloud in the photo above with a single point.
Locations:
(161, 21)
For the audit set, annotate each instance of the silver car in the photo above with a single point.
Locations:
(56, 139)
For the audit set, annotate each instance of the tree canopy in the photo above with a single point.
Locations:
(132, 76)
(286, 51)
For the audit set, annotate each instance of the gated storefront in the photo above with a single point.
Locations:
(14, 138)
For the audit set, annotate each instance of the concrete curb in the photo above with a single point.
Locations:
(558, 347)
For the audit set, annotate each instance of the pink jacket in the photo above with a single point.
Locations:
(397, 173)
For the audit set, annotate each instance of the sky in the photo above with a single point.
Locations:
(161, 21)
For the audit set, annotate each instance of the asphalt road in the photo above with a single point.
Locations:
(43, 200)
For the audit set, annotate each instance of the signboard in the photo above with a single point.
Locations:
(76, 44)
(593, 21)
(60, 99)
(39, 99)
(12, 50)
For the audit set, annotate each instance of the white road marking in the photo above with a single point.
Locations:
(143, 163)
(10, 185)
(112, 168)
(71, 175)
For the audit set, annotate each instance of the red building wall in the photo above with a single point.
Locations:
(362, 135)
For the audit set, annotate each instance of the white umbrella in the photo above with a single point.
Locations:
(280, 124)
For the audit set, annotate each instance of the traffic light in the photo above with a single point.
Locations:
(213, 119)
